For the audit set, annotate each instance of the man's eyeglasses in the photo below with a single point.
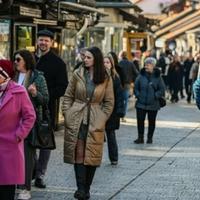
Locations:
(17, 59)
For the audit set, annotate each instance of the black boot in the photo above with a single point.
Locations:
(89, 178)
(140, 139)
(80, 173)
(150, 139)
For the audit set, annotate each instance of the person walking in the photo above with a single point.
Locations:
(88, 102)
(35, 83)
(129, 73)
(149, 87)
(188, 81)
(117, 67)
(113, 122)
(55, 73)
(175, 78)
(17, 117)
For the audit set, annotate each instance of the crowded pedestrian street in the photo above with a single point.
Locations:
(168, 169)
(99, 99)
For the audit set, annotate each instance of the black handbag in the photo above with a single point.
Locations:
(162, 102)
(42, 133)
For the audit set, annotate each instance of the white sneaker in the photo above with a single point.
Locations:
(24, 195)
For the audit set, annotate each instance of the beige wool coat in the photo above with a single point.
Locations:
(75, 111)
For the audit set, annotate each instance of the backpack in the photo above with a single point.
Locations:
(196, 91)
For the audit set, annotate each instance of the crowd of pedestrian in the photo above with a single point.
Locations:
(94, 101)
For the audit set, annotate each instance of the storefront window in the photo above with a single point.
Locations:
(116, 41)
(94, 37)
(25, 37)
(68, 49)
(68, 54)
(4, 39)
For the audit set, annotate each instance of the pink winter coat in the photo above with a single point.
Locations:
(17, 117)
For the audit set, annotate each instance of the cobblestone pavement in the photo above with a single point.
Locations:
(168, 169)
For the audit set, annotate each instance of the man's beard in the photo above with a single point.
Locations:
(43, 49)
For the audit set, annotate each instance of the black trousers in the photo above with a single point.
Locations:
(112, 145)
(141, 115)
(42, 162)
(84, 176)
(44, 154)
(188, 89)
(7, 192)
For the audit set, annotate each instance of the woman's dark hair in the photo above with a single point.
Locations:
(114, 56)
(28, 58)
(99, 69)
(117, 67)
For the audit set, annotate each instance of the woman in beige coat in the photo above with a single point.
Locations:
(88, 103)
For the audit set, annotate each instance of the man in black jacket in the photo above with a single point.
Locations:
(129, 74)
(55, 73)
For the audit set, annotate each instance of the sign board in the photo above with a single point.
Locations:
(160, 43)
(31, 12)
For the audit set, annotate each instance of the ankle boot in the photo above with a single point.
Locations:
(89, 178)
(150, 139)
(80, 173)
(140, 139)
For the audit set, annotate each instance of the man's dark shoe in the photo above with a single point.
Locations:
(87, 195)
(149, 141)
(39, 182)
(80, 195)
(139, 141)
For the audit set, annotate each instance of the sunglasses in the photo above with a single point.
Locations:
(17, 59)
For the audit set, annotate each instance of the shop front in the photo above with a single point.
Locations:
(5, 26)
(24, 35)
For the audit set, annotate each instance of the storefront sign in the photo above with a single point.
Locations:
(160, 43)
(31, 12)
(45, 22)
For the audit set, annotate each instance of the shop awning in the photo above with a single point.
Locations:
(183, 22)
(80, 8)
(182, 28)
(143, 22)
(118, 5)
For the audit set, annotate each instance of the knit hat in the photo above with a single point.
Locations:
(6, 68)
(45, 32)
(150, 60)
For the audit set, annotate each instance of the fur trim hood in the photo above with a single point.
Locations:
(156, 72)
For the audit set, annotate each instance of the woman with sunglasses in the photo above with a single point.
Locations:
(35, 83)
(17, 117)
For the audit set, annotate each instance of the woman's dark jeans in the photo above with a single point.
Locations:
(141, 115)
(112, 145)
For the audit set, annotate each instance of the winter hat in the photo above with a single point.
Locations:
(6, 68)
(45, 32)
(150, 60)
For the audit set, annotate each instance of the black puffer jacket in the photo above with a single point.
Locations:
(148, 89)
(113, 122)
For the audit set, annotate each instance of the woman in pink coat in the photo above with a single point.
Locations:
(17, 117)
